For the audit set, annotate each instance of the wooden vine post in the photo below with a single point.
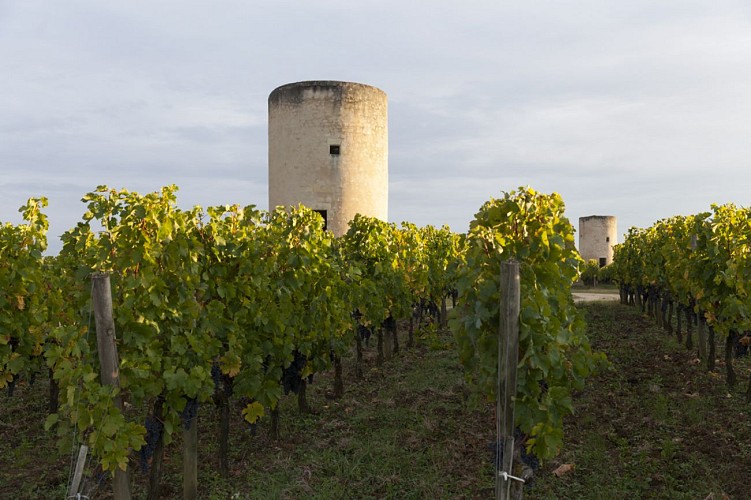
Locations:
(190, 459)
(101, 297)
(508, 356)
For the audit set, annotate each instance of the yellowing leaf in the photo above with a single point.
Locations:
(5, 378)
(253, 412)
(230, 364)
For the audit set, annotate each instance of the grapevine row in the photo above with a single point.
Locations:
(699, 265)
(555, 355)
(237, 303)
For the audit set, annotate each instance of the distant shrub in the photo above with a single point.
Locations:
(590, 273)
(605, 274)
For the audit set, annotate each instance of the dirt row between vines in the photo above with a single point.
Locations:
(657, 424)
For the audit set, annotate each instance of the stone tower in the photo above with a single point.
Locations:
(597, 235)
(328, 149)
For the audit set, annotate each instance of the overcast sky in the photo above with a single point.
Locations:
(638, 109)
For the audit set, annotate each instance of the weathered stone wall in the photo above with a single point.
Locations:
(305, 120)
(597, 235)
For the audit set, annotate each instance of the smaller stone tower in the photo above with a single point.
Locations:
(597, 235)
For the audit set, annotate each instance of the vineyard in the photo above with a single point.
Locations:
(225, 313)
(261, 357)
(692, 274)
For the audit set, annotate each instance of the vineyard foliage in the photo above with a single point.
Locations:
(227, 299)
(555, 355)
(702, 262)
(22, 291)
(231, 287)
(379, 288)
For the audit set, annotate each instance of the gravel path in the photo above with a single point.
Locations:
(591, 297)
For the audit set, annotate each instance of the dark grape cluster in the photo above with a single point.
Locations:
(364, 333)
(496, 453)
(432, 309)
(425, 310)
(189, 413)
(222, 382)
(229, 384)
(543, 386)
(154, 430)
(741, 345)
(389, 324)
(100, 475)
(216, 376)
(528, 459)
(291, 376)
(13, 344)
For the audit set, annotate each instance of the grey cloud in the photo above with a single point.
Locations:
(622, 107)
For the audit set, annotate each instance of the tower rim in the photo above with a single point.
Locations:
(328, 84)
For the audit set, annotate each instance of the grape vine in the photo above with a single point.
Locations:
(701, 264)
(554, 351)
(235, 302)
(22, 306)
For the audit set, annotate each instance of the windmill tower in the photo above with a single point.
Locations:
(328, 149)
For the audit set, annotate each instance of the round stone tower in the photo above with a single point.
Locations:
(328, 149)
(597, 235)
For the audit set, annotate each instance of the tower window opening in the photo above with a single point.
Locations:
(607, 239)
(603, 261)
(334, 149)
(323, 214)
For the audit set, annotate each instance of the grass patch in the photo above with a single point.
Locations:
(656, 425)
(403, 431)
(600, 288)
